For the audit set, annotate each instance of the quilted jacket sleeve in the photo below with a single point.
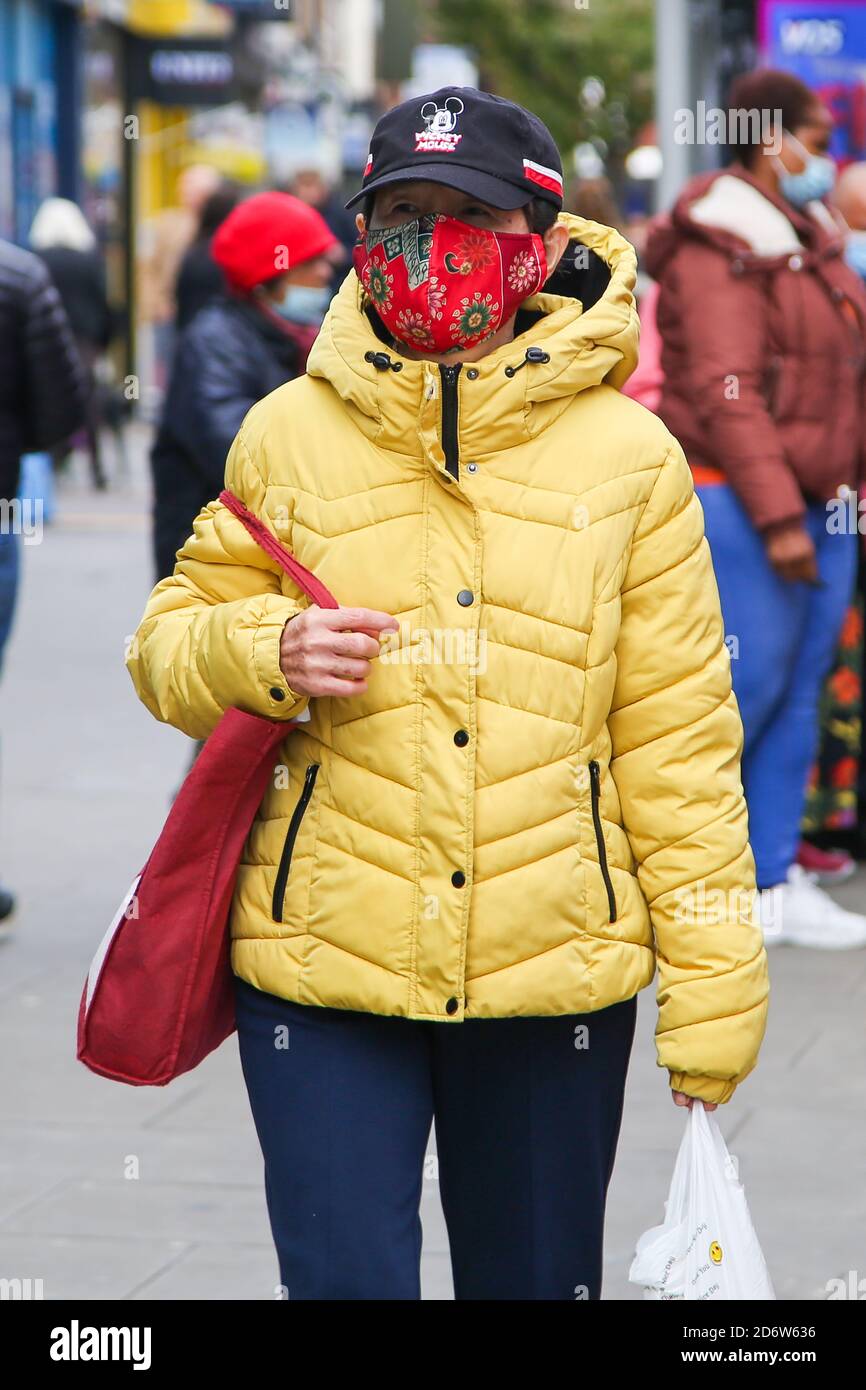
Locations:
(55, 387)
(210, 635)
(677, 740)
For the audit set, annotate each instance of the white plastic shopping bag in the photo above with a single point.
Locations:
(706, 1247)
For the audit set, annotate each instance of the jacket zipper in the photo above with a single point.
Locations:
(595, 788)
(774, 386)
(450, 446)
(291, 836)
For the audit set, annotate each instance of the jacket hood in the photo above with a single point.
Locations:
(585, 346)
(729, 210)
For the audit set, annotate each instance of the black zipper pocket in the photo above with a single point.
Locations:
(595, 790)
(291, 835)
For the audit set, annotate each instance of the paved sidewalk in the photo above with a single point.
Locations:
(109, 1191)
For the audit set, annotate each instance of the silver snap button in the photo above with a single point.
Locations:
(795, 262)
(472, 467)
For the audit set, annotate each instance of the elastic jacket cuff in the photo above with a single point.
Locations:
(781, 528)
(710, 1088)
(278, 699)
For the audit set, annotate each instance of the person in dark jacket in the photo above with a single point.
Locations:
(61, 237)
(200, 279)
(763, 328)
(271, 250)
(42, 400)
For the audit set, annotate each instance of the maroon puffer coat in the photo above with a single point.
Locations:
(763, 329)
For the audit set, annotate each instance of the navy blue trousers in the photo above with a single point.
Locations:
(527, 1114)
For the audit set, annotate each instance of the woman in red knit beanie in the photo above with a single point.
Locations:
(276, 255)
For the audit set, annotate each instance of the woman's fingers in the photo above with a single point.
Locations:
(327, 651)
(680, 1098)
(332, 685)
(350, 641)
(358, 619)
(344, 668)
(354, 644)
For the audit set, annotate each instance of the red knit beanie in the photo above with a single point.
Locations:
(266, 235)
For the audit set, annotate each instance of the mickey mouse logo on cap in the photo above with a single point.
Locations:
(441, 122)
(483, 145)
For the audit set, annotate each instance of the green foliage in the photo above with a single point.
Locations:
(541, 52)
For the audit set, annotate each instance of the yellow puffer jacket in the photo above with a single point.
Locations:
(538, 798)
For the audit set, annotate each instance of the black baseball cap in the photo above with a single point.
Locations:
(482, 144)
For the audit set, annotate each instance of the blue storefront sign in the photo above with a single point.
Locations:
(824, 43)
(181, 71)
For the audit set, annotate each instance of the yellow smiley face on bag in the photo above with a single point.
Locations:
(716, 1252)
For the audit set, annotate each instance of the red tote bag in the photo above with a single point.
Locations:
(159, 995)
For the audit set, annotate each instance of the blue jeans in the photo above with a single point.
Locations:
(9, 570)
(527, 1123)
(37, 483)
(783, 639)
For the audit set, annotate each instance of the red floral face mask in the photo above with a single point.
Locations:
(439, 283)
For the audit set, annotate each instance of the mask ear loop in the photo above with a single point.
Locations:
(791, 136)
(805, 153)
(777, 162)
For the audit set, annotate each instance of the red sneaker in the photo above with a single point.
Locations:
(828, 865)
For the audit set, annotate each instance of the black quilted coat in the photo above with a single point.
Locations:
(42, 384)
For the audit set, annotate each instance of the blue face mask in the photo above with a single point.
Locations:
(815, 181)
(306, 304)
(855, 252)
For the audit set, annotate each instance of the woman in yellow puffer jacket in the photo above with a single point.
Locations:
(515, 792)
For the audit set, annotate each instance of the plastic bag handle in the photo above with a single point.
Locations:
(304, 578)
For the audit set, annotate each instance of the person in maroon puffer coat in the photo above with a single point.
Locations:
(763, 328)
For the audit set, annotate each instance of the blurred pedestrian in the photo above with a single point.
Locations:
(762, 324)
(43, 400)
(311, 186)
(849, 199)
(62, 238)
(200, 279)
(594, 198)
(250, 339)
(468, 862)
(835, 817)
(645, 382)
(163, 240)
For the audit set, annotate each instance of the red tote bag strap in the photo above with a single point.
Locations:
(304, 578)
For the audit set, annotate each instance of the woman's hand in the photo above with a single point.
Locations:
(791, 552)
(327, 651)
(680, 1098)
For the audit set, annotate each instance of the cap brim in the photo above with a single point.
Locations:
(499, 193)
